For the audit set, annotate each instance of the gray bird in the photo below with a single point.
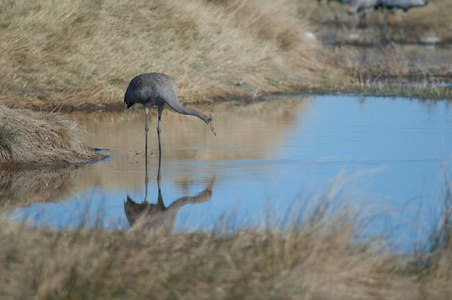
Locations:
(393, 5)
(157, 89)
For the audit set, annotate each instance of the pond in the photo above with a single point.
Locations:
(383, 158)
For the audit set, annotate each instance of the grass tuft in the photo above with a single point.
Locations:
(40, 138)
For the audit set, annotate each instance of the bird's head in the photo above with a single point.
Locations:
(207, 118)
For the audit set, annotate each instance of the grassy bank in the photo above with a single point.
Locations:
(40, 138)
(384, 69)
(420, 22)
(84, 53)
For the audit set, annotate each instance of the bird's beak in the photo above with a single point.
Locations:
(211, 127)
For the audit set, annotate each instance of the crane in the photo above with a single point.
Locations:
(394, 5)
(157, 89)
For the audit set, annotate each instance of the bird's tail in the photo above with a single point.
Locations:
(129, 105)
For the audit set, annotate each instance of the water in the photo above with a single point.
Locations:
(382, 157)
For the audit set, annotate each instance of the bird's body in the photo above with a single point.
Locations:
(150, 89)
(157, 89)
(404, 5)
(394, 5)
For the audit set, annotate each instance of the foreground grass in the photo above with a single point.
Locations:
(40, 138)
(319, 259)
(316, 256)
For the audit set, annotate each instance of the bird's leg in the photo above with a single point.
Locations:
(158, 184)
(146, 183)
(146, 128)
(160, 110)
(385, 17)
(146, 180)
(403, 25)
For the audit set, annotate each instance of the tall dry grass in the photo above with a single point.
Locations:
(432, 20)
(435, 255)
(84, 53)
(40, 138)
(318, 258)
(317, 255)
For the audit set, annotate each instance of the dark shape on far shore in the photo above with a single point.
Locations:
(393, 5)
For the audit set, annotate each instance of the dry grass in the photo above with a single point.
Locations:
(387, 72)
(317, 256)
(318, 259)
(435, 256)
(40, 138)
(421, 22)
(84, 53)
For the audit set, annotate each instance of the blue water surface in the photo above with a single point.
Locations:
(384, 158)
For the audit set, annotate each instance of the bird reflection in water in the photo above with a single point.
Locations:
(157, 89)
(158, 216)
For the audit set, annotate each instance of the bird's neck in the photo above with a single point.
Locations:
(191, 111)
(185, 110)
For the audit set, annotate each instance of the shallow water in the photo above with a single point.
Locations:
(380, 157)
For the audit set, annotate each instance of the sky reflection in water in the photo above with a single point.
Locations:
(265, 157)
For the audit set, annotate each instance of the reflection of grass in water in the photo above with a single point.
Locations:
(259, 124)
(22, 187)
(316, 257)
